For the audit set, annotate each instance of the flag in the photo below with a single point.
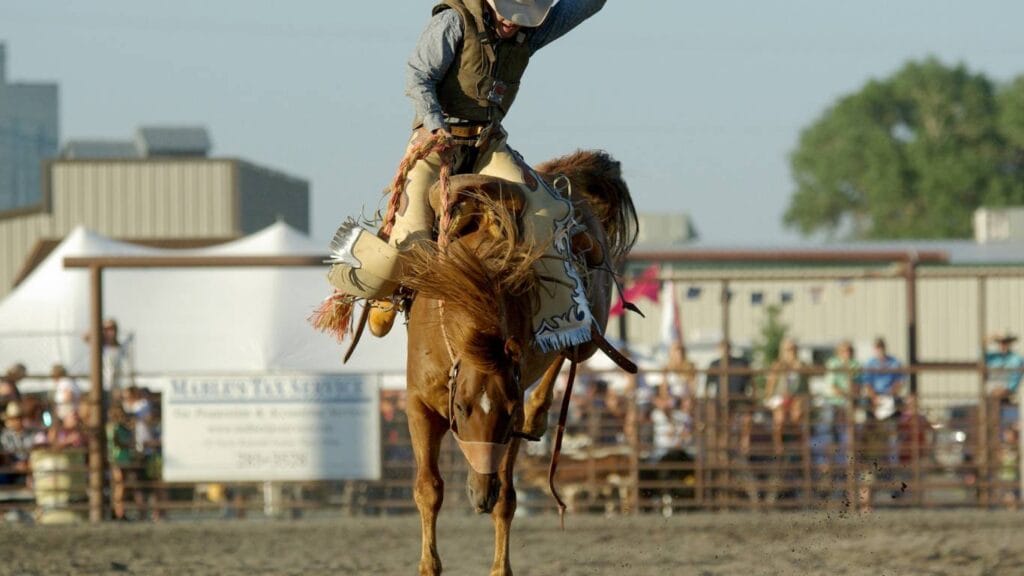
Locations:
(671, 318)
(644, 287)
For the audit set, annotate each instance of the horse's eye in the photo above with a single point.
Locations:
(460, 408)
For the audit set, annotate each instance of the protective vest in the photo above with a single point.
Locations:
(484, 79)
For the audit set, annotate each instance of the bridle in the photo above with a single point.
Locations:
(483, 457)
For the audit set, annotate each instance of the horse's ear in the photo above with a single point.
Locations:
(513, 349)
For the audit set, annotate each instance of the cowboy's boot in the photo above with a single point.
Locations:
(382, 317)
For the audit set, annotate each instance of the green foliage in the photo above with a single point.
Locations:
(911, 156)
(769, 341)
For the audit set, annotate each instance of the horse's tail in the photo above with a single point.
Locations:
(598, 178)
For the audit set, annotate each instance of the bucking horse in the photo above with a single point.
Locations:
(470, 354)
(471, 297)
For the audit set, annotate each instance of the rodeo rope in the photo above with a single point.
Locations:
(442, 145)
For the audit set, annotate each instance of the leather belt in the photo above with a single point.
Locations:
(468, 130)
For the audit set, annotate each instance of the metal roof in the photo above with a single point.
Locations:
(953, 252)
(173, 141)
(99, 149)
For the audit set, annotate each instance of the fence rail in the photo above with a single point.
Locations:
(943, 448)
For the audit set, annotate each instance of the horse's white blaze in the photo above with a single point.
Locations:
(485, 403)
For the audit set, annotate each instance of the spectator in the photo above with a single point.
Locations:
(884, 388)
(1004, 381)
(915, 432)
(16, 443)
(121, 440)
(786, 391)
(68, 433)
(841, 388)
(885, 385)
(673, 428)
(116, 372)
(16, 373)
(679, 373)
(137, 406)
(8, 391)
(739, 384)
(66, 394)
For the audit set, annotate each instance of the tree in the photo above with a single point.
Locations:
(911, 156)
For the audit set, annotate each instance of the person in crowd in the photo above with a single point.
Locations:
(121, 440)
(738, 383)
(672, 428)
(915, 432)
(8, 391)
(679, 373)
(786, 391)
(883, 384)
(17, 372)
(137, 406)
(116, 374)
(16, 441)
(1008, 459)
(1007, 368)
(67, 433)
(153, 460)
(66, 393)
(841, 389)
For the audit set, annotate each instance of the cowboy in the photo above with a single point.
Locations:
(463, 77)
(1006, 369)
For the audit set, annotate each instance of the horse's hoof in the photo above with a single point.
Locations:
(382, 317)
(535, 427)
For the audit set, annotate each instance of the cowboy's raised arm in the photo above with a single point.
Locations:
(428, 64)
(563, 17)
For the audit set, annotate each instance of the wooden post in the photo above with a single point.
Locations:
(911, 286)
(983, 415)
(852, 481)
(98, 417)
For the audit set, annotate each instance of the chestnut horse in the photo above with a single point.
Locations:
(470, 352)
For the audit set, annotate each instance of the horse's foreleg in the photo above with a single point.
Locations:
(427, 432)
(535, 422)
(504, 510)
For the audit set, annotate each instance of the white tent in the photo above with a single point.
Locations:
(187, 321)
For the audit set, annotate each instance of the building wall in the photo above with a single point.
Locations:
(266, 196)
(823, 312)
(28, 136)
(145, 199)
(124, 199)
(152, 199)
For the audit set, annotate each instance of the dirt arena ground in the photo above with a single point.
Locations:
(894, 543)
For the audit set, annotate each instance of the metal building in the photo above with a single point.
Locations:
(29, 133)
(167, 193)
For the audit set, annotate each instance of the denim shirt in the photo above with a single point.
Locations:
(440, 42)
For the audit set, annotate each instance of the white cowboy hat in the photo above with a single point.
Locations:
(527, 13)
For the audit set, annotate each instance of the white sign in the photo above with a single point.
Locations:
(283, 428)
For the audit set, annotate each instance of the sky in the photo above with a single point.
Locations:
(701, 101)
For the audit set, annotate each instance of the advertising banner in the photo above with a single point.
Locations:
(271, 428)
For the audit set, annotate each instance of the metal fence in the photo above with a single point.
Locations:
(943, 448)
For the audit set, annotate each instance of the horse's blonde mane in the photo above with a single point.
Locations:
(485, 279)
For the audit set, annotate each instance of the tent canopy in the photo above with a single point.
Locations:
(186, 321)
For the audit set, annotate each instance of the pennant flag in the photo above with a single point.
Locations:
(671, 317)
(644, 287)
(816, 294)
